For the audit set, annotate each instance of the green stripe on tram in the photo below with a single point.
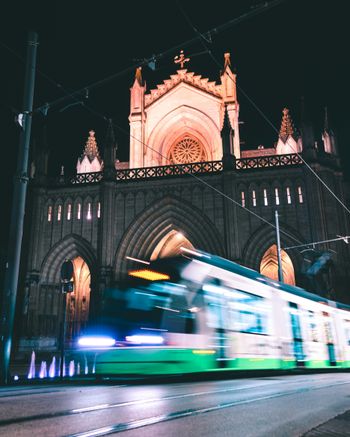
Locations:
(163, 361)
(154, 361)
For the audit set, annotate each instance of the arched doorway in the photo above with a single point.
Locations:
(170, 245)
(269, 265)
(78, 302)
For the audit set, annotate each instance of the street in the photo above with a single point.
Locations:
(282, 405)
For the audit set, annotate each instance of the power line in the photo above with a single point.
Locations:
(264, 7)
(260, 111)
(201, 37)
(313, 244)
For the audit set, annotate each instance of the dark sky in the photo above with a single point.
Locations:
(299, 48)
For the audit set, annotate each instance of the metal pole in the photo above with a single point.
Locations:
(279, 260)
(17, 214)
(63, 333)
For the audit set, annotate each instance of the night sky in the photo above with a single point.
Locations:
(298, 48)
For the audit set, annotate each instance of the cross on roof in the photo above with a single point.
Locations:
(181, 59)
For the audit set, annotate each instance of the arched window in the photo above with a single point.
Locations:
(300, 194)
(49, 213)
(277, 196)
(254, 197)
(269, 265)
(69, 211)
(88, 214)
(266, 201)
(243, 199)
(289, 198)
(59, 213)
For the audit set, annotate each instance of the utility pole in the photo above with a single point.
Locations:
(17, 214)
(279, 260)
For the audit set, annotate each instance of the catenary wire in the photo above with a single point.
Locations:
(203, 42)
(202, 38)
(100, 115)
(214, 31)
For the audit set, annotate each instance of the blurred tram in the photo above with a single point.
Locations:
(198, 312)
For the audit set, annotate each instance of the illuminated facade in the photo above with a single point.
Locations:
(184, 151)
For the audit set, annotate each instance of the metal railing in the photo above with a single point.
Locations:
(130, 174)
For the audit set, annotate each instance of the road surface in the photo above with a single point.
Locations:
(280, 405)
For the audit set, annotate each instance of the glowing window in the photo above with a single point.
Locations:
(49, 213)
(277, 196)
(243, 199)
(98, 209)
(254, 197)
(300, 195)
(69, 211)
(289, 198)
(59, 213)
(79, 211)
(265, 197)
(88, 215)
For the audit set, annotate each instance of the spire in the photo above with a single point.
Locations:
(302, 109)
(228, 81)
(110, 137)
(287, 128)
(110, 147)
(227, 60)
(91, 149)
(90, 160)
(138, 76)
(328, 136)
(226, 137)
(326, 121)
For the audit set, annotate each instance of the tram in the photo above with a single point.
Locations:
(198, 312)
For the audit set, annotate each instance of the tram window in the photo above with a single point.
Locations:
(248, 313)
(295, 320)
(347, 331)
(312, 326)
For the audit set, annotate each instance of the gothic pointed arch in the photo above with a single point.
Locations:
(269, 265)
(262, 240)
(70, 247)
(181, 123)
(156, 224)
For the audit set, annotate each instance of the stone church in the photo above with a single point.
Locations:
(187, 183)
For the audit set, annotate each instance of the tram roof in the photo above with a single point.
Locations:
(234, 267)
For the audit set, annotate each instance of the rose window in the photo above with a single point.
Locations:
(187, 150)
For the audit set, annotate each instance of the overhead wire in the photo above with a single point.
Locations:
(202, 40)
(265, 6)
(105, 118)
(202, 37)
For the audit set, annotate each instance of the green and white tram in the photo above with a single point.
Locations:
(200, 313)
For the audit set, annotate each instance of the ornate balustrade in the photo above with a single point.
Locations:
(268, 161)
(169, 170)
(131, 174)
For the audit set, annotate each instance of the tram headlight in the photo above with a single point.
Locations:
(96, 341)
(144, 339)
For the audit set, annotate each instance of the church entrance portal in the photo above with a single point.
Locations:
(170, 245)
(269, 265)
(77, 310)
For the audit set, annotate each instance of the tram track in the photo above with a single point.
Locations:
(141, 423)
(119, 427)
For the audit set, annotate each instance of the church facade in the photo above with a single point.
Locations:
(187, 184)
